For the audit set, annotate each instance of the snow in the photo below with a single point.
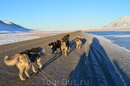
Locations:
(104, 64)
(120, 23)
(103, 38)
(11, 27)
(11, 38)
(6, 22)
(23, 36)
(110, 41)
(11, 33)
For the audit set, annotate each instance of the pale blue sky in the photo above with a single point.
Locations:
(63, 14)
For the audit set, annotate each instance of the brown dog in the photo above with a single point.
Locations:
(78, 42)
(66, 38)
(24, 61)
(65, 44)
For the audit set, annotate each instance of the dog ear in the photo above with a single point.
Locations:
(40, 48)
(49, 44)
(26, 51)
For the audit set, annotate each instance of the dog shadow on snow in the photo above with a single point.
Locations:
(51, 60)
(48, 63)
(72, 47)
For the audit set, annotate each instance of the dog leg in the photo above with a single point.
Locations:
(52, 52)
(33, 68)
(56, 52)
(39, 63)
(68, 49)
(26, 71)
(80, 46)
(61, 51)
(76, 46)
(65, 53)
(21, 68)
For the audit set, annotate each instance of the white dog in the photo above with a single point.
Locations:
(23, 62)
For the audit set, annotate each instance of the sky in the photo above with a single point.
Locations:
(63, 14)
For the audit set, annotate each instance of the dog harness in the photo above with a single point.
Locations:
(33, 56)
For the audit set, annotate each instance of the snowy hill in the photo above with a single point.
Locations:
(6, 26)
(120, 23)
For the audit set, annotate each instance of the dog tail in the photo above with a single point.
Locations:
(11, 61)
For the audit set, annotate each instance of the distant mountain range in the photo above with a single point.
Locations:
(11, 27)
(120, 23)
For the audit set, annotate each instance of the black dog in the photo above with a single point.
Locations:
(54, 46)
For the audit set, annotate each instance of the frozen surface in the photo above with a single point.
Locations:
(8, 37)
(121, 38)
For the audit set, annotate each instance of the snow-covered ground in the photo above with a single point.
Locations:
(111, 41)
(7, 37)
(11, 32)
(14, 37)
(118, 38)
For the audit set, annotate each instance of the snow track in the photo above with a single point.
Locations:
(97, 63)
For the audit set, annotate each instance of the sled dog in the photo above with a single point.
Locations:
(78, 42)
(25, 60)
(65, 47)
(54, 46)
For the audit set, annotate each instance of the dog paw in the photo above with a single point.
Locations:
(29, 77)
(23, 79)
(35, 71)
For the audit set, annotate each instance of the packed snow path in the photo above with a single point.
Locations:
(97, 63)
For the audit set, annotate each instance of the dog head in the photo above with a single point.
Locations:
(63, 39)
(51, 45)
(68, 35)
(58, 41)
(40, 51)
